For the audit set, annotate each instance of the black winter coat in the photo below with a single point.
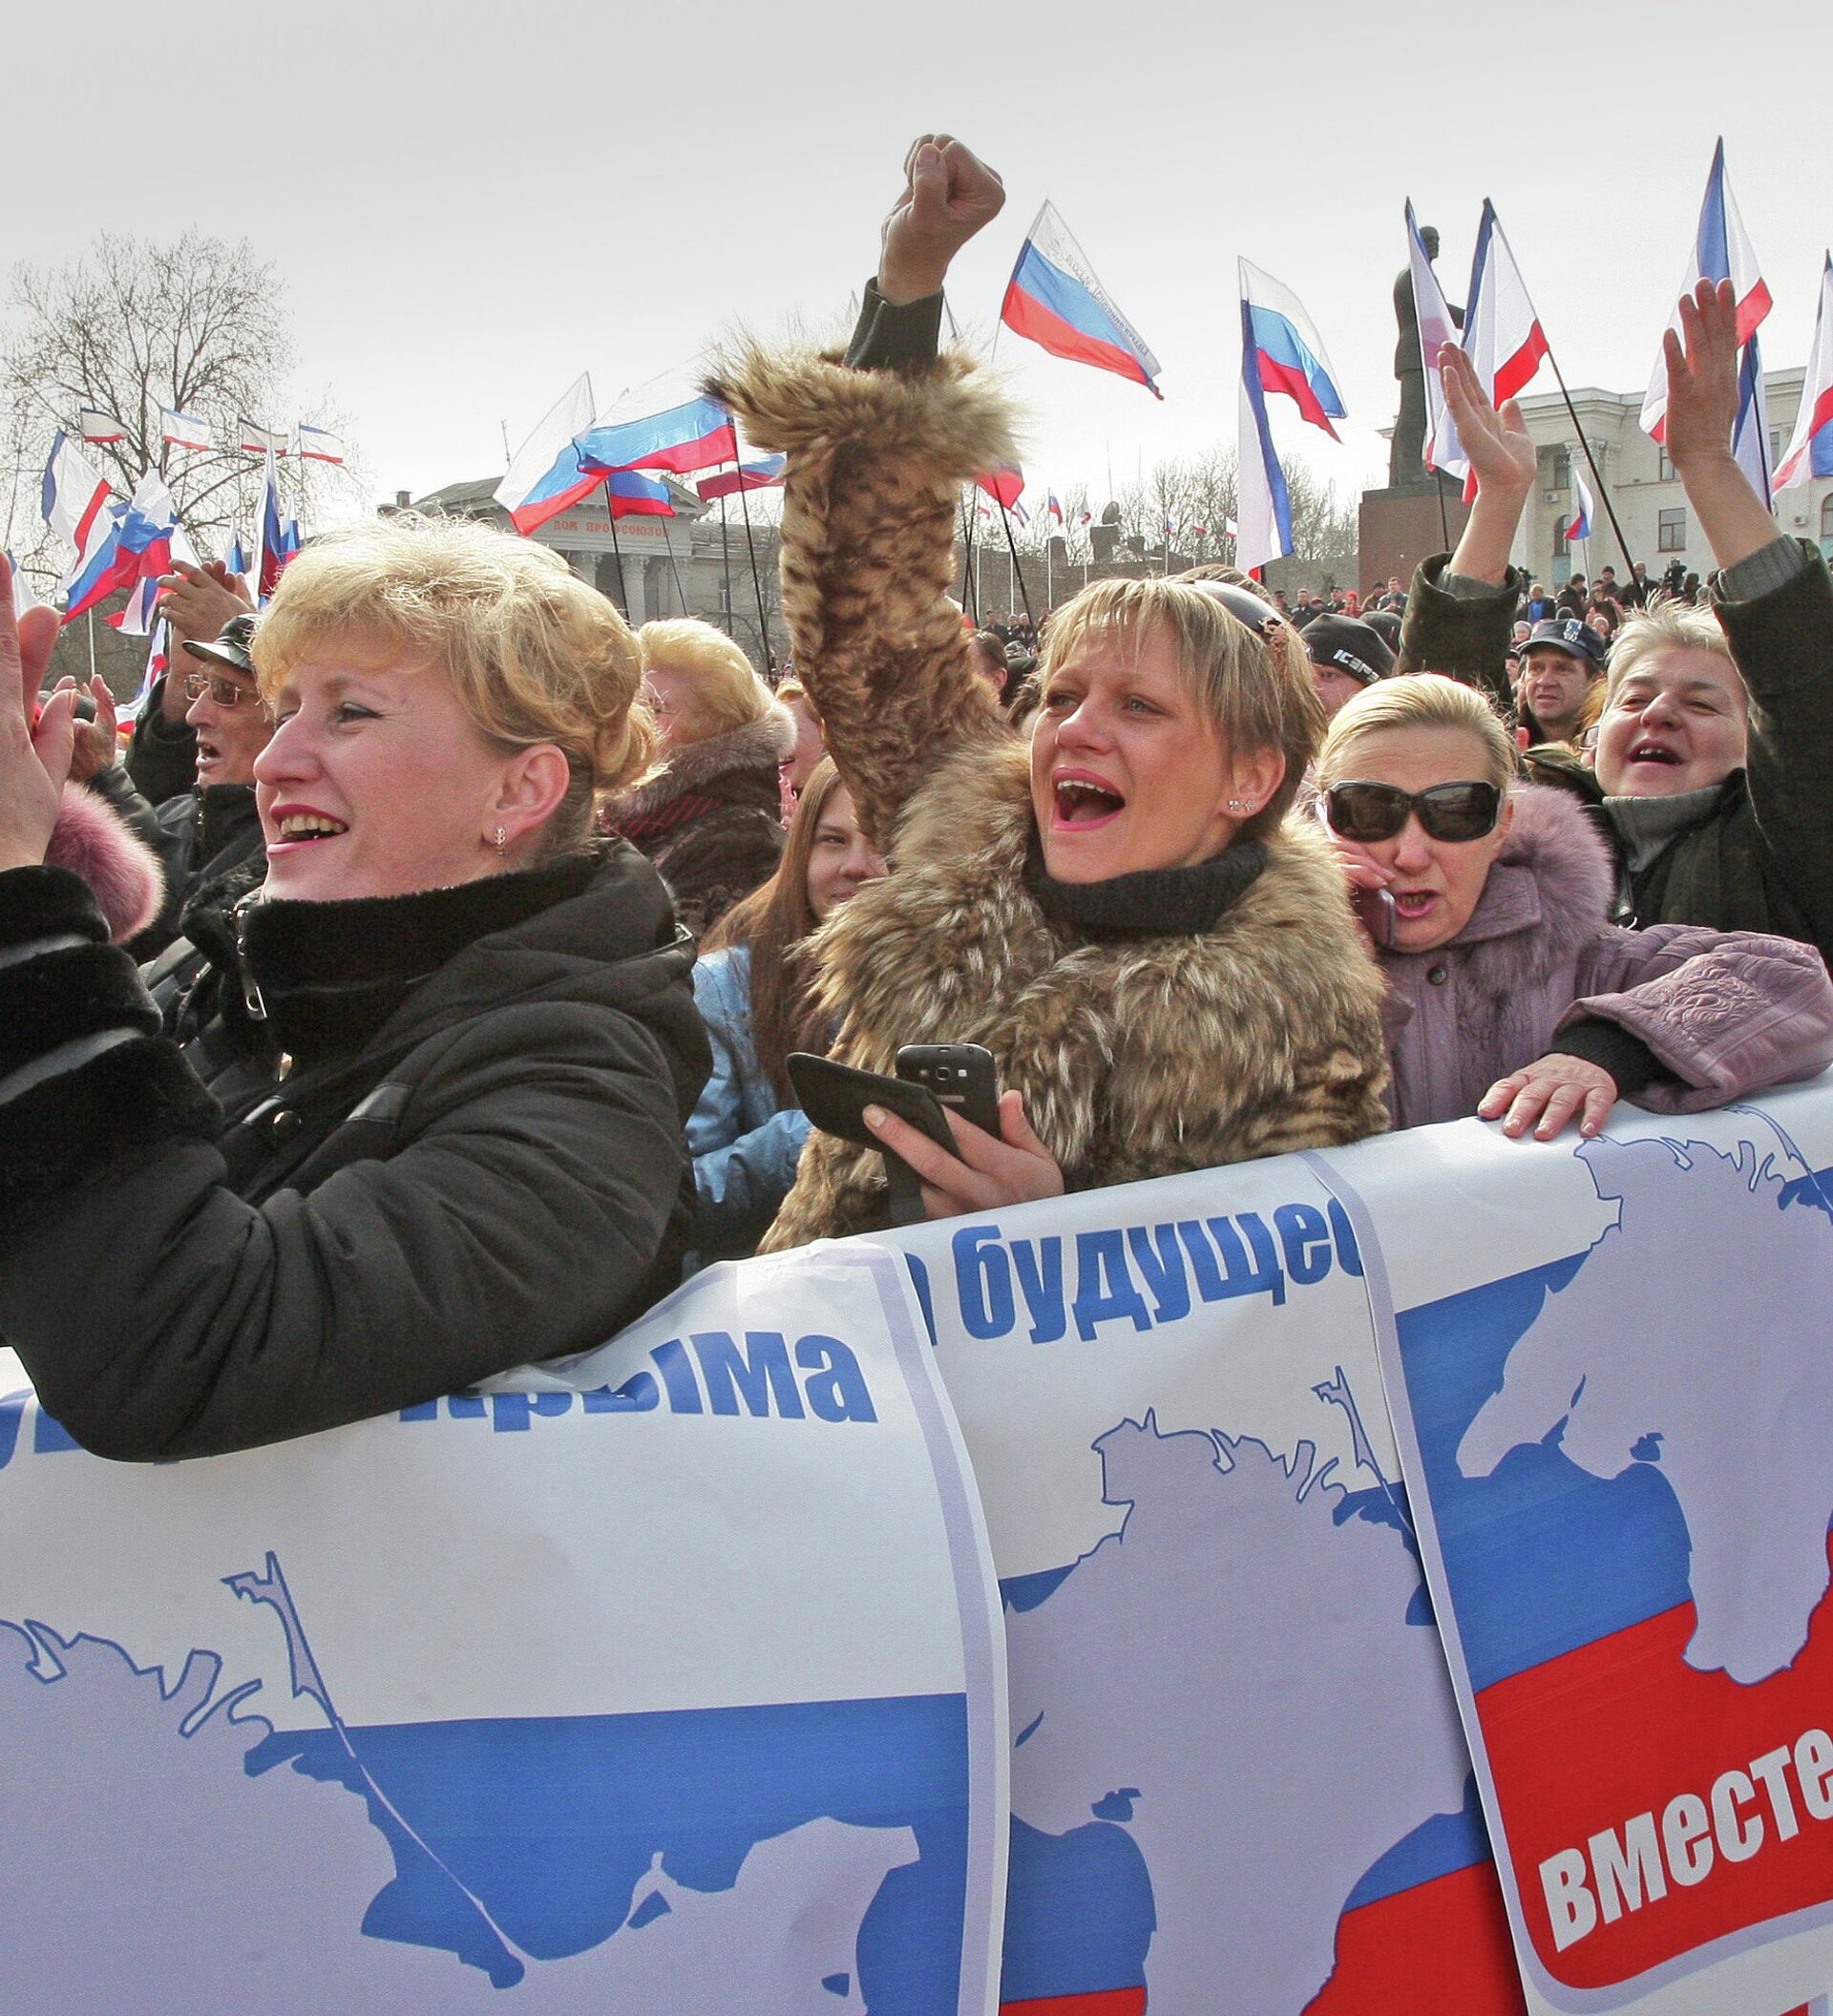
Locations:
(441, 1137)
(202, 837)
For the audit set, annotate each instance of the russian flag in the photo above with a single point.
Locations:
(99, 428)
(1444, 451)
(1721, 250)
(74, 496)
(1501, 334)
(1055, 301)
(1052, 508)
(185, 430)
(1581, 526)
(316, 445)
(1004, 485)
(273, 552)
(139, 617)
(699, 433)
(1288, 353)
(141, 531)
(1263, 506)
(1810, 447)
(544, 477)
(636, 496)
(763, 473)
(235, 559)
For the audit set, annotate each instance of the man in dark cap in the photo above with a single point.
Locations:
(1346, 656)
(214, 828)
(1560, 664)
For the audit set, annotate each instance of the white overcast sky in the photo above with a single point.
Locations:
(468, 205)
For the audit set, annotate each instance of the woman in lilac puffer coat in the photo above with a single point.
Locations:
(1511, 995)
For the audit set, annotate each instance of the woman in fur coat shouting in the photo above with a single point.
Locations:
(1163, 965)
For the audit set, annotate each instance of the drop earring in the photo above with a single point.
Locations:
(502, 839)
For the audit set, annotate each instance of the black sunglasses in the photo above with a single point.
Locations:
(1447, 811)
(1246, 607)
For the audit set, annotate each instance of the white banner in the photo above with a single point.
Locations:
(682, 1695)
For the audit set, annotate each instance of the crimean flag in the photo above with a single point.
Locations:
(74, 495)
(1443, 449)
(1810, 447)
(1055, 301)
(544, 477)
(1721, 250)
(1749, 431)
(254, 439)
(316, 445)
(185, 430)
(696, 433)
(762, 473)
(1501, 334)
(1288, 353)
(99, 428)
(23, 595)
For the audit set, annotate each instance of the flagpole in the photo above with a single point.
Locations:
(617, 550)
(1597, 477)
(674, 568)
(726, 560)
(1444, 522)
(92, 643)
(757, 582)
(1018, 572)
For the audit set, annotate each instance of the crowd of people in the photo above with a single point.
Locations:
(418, 999)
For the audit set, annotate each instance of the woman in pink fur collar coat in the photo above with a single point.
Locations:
(1512, 995)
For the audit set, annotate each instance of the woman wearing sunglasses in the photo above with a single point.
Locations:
(1511, 994)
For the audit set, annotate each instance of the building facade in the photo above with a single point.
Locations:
(1650, 506)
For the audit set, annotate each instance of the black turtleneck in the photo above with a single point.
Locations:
(1152, 902)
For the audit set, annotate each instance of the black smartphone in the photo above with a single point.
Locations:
(961, 1074)
(835, 1096)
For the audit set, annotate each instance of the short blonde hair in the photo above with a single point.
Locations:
(1259, 694)
(1680, 624)
(532, 654)
(728, 692)
(1418, 700)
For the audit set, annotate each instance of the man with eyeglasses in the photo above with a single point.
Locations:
(212, 832)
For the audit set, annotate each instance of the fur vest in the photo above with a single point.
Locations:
(710, 820)
(1137, 1057)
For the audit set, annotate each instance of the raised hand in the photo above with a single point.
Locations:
(94, 744)
(949, 195)
(1703, 374)
(1502, 455)
(35, 760)
(199, 600)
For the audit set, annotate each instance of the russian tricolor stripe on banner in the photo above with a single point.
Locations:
(1287, 351)
(1501, 334)
(763, 473)
(544, 477)
(185, 430)
(1055, 301)
(1444, 451)
(1581, 526)
(1721, 250)
(698, 433)
(1810, 447)
(634, 496)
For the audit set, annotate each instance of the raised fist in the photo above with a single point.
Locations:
(949, 194)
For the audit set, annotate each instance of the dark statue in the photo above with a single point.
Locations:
(1407, 454)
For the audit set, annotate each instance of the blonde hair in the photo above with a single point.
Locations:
(1259, 693)
(1680, 624)
(728, 692)
(532, 654)
(1418, 700)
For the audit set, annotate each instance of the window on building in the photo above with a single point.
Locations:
(1776, 446)
(1664, 468)
(1673, 531)
(1556, 467)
